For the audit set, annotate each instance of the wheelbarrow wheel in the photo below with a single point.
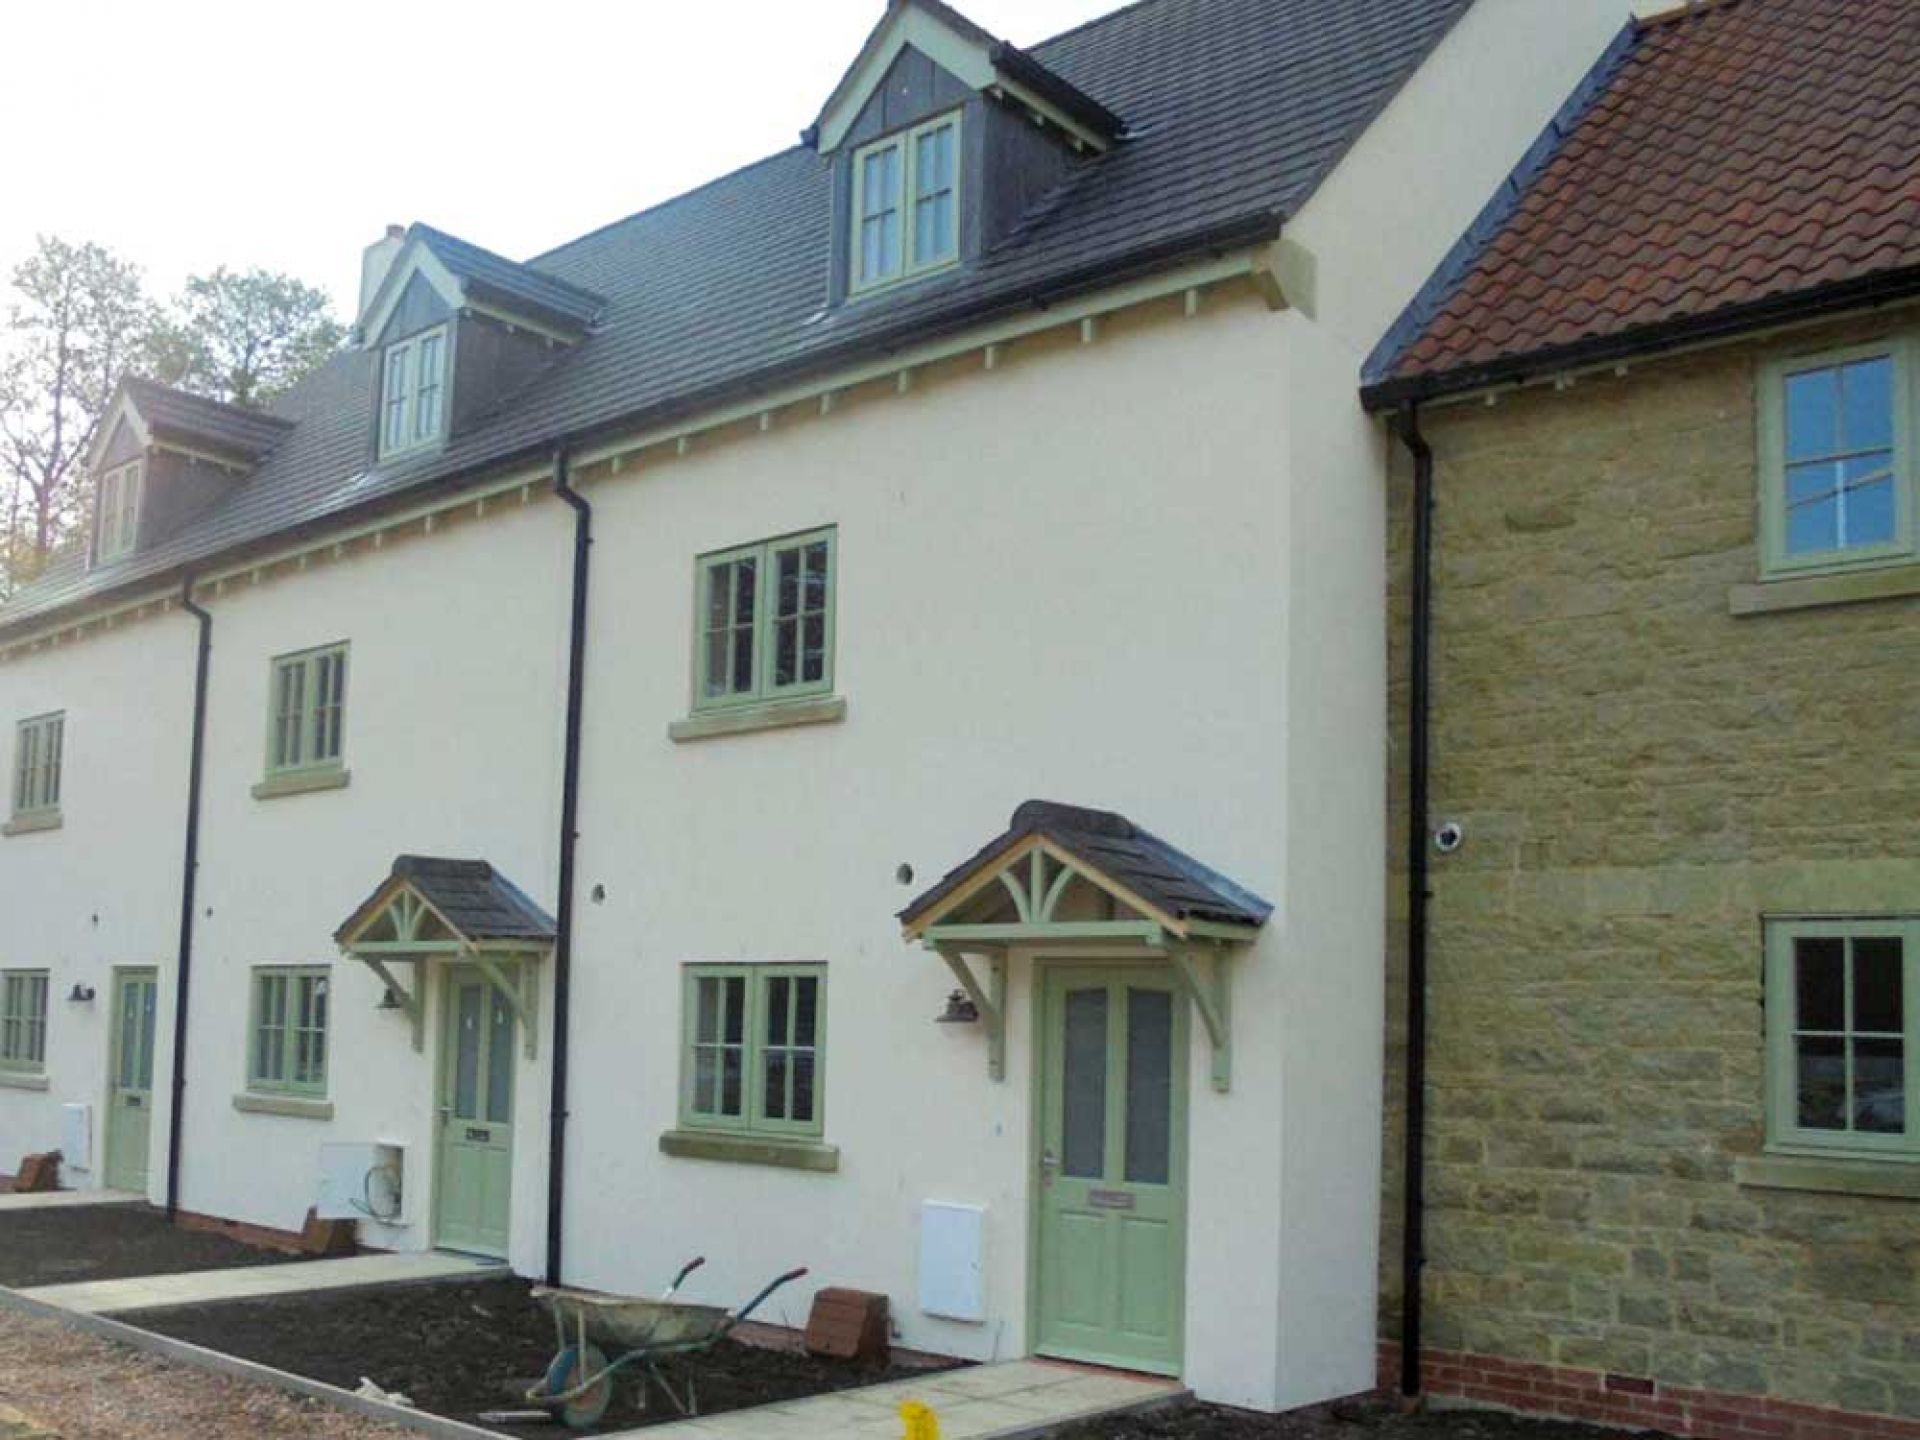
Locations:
(568, 1369)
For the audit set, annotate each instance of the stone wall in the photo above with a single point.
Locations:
(1642, 775)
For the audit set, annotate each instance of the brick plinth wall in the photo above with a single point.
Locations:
(1630, 1401)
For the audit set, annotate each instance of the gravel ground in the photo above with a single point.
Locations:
(85, 1388)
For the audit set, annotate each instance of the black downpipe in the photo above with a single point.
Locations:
(569, 836)
(189, 876)
(1413, 1237)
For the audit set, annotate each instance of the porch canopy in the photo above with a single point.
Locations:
(1090, 883)
(455, 911)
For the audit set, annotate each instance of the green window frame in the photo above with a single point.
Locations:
(1839, 466)
(39, 747)
(905, 200)
(117, 511)
(23, 1020)
(764, 621)
(413, 389)
(753, 1050)
(307, 711)
(1843, 1026)
(287, 1029)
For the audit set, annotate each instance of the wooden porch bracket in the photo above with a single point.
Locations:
(990, 999)
(1205, 976)
(411, 1002)
(521, 994)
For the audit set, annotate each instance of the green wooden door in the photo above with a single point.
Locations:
(476, 1117)
(130, 1079)
(1111, 1230)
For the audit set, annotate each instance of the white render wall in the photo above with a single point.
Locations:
(104, 889)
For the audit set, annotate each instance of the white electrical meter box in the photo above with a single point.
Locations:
(76, 1137)
(362, 1182)
(952, 1262)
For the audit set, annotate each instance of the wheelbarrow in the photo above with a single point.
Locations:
(640, 1333)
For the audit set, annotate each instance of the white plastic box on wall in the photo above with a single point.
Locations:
(952, 1269)
(362, 1182)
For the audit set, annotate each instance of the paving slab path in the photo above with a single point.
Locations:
(987, 1402)
(205, 1287)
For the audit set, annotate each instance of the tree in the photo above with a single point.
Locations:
(245, 336)
(78, 321)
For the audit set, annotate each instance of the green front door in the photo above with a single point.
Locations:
(476, 1117)
(130, 1079)
(1111, 1261)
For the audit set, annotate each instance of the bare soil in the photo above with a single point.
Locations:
(112, 1242)
(85, 1388)
(459, 1349)
(1349, 1420)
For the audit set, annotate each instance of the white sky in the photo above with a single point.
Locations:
(196, 133)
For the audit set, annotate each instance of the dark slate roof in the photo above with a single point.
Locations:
(476, 900)
(509, 280)
(1236, 111)
(230, 429)
(1734, 164)
(1170, 880)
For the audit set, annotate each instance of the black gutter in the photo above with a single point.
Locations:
(189, 877)
(1414, 1200)
(569, 837)
(1863, 293)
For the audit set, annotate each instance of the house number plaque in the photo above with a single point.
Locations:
(474, 1132)
(1109, 1200)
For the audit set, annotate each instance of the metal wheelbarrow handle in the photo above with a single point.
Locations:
(685, 1270)
(754, 1304)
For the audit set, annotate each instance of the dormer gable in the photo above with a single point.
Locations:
(456, 329)
(162, 456)
(941, 138)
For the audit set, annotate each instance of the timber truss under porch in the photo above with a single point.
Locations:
(456, 912)
(1093, 885)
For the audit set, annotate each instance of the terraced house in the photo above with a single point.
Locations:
(1662, 409)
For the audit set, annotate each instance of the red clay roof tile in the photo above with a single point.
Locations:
(1741, 151)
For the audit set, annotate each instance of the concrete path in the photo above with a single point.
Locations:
(61, 1199)
(201, 1287)
(988, 1402)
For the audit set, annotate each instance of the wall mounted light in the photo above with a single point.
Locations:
(960, 1011)
(388, 1000)
(81, 994)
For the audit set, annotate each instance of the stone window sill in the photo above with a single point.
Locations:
(751, 1150)
(292, 1107)
(748, 719)
(1807, 592)
(34, 823)
(278, 787)
(1886, 1179)
(22, 1080)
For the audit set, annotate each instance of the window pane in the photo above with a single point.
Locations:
(1813, 414)
(1866, 404)
(880, 214)
(1823, 1084)
(803, 1064)
(706, 1028)
(1821, 984)
(806, 1001)
(732, 1080)
(777, 990)
(426, 409)
(1867, 501)
(706, 1079)
(1084, 1086)
(466, 1065)
(1879, 1087)
(773, 1100)
(1149, 1086)
(500, 1063)
(735, 989)
(1878, 1001)
(1813, 508)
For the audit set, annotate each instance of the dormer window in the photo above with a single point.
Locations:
(413, 390)
(117, 512)
(907, 204)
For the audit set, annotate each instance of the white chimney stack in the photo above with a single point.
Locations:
(375, 261)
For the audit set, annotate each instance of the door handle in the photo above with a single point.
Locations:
(1049, 1167)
